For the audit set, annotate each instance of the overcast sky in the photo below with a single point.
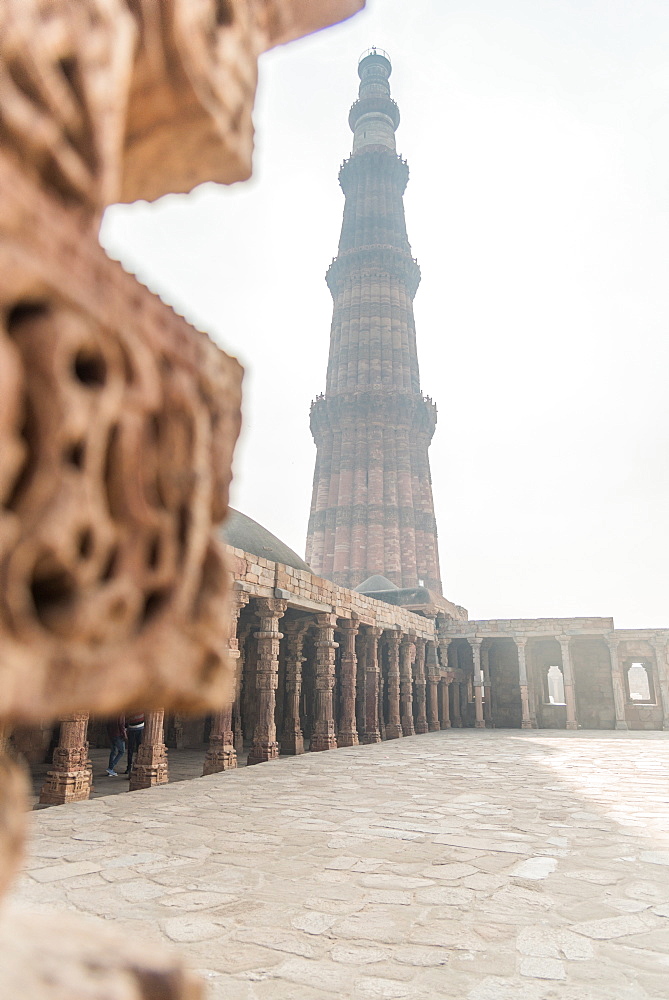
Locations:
(537, 135)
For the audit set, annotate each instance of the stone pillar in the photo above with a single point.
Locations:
(568, 674)
(432, 679)
(407, 656)
(419, 681)
(454, 690)
(71, 776)
(619, 698)
(393, 725)
(265, 746)
(372, 733)
(149, 766)
(292, 740)
(660, 646)
(444, 685)
(348, 731)
(323, 736)
(444, 703)
(221, 754)
(487, 687)
(526, 722)
(243, 632)
(478, 684)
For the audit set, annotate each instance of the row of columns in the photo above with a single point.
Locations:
(417, 671)
(482, 685)
(412, 668)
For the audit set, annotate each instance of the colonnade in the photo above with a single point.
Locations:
(304, 681)
(312, 680)
(531, 681)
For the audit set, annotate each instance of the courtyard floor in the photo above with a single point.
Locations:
(483, 865)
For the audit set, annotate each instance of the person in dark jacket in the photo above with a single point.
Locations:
(117, 736)
(134, 725)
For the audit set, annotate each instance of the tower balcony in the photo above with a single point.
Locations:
(380, 163)
(376, 403)
(361, 261)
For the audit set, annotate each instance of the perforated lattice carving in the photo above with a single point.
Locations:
(117, 423)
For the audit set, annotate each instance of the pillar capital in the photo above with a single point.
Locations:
(270, 607)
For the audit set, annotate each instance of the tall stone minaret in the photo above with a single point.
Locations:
(372, 510)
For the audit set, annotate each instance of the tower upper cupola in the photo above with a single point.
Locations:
(375, 116)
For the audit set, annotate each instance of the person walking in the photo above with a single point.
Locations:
(134, 725)
(117, 734)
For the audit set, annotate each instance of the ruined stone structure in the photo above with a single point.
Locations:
(117, 419)
(372, 509)
(320, 666)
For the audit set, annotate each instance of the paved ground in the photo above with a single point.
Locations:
(473, 864)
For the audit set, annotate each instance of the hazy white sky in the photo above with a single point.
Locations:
(537, 135)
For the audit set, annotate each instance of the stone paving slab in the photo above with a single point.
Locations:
(484, 865)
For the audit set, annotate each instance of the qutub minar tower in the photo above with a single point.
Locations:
(372, 510)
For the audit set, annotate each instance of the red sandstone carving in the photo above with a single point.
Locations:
(117, 419)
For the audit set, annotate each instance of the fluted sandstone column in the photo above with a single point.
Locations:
(348, 732)
(478, 684)
(292, 739)
(393, 725)
(407, 657)
(660, 645)
(526, 722)
(265, 746)
(372, 733)
(618, 684)
(568, 673)
(221, 754)
(243, 632)
(71, 775)
(432, 680)
(323, 736)
(420, 685)
(149, 766)
(487, 686)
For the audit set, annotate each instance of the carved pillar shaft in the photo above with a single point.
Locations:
(393, 725)
(618, 684)
(487, 687)
(660, 646)
(419, 682)
(454, 690)
(526, 720)
(407, 656)
(372, 733)
(221, 754)
(348, 731)
(432, 679)
(444, 704)
(568, 674)
(71, 775)
(149, 766)
(323, 736)
(444, 685)
(292, 738)
(265, 745)
(478, 683)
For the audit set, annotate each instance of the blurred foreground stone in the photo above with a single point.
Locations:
(118, 420)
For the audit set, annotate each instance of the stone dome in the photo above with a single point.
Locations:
(243, 532)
